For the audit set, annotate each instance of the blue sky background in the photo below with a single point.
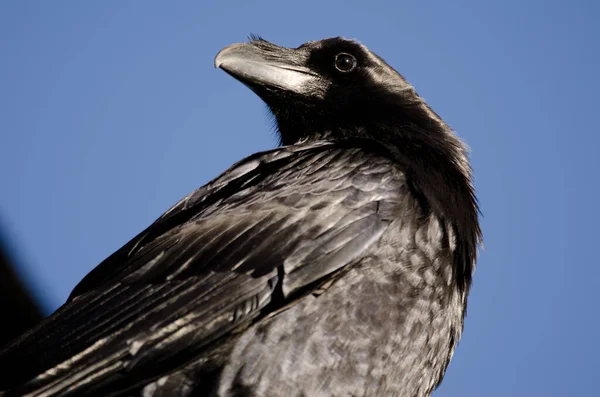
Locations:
(111, 111)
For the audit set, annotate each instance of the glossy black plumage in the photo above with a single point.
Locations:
(338, 264)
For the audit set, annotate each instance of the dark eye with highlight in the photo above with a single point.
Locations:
(345, 62)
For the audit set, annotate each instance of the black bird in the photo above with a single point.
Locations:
(336, 265)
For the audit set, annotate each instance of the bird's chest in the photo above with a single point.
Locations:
(375, 332)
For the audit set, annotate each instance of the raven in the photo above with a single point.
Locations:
(337, 264)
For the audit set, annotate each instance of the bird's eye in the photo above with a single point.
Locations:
(345, 62)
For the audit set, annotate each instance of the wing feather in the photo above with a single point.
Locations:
(223, 257)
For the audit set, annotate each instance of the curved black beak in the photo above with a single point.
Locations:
(254, 66)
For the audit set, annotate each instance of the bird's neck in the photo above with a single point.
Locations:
(433, 157)
(440, 176)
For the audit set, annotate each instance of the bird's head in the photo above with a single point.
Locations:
(326, 87)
